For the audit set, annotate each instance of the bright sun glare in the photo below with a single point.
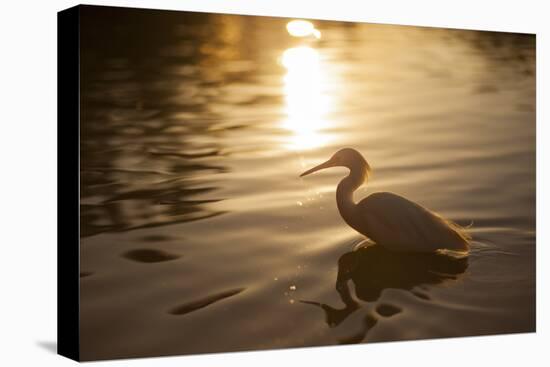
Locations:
(302, 28)
(306, 103)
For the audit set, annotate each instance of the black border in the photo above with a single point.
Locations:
(68, 181)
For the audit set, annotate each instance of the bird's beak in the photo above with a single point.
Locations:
(327, 164)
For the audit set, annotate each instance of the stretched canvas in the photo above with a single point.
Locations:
(247, 183)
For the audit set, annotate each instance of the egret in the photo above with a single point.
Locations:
(388, 219)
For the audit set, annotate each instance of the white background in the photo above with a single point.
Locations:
(28, 182)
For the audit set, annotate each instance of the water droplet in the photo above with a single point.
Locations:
(291, 301)
(275, 278)
(299, 203)
(292, 288)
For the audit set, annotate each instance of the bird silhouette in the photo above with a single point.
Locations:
(388, 219)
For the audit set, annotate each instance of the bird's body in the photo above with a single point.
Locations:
(402, 225)
(388, 219)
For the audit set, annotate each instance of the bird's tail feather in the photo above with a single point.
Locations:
(460, 230)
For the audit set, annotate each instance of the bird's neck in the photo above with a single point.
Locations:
(344, 195)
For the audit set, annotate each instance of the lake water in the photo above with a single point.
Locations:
(197, 235)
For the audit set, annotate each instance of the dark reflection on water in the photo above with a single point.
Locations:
(198, 304)
(149, 255)
(373, 269)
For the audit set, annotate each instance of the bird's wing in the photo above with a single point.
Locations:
(401, 224)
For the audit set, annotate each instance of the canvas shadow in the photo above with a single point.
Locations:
(48, 345)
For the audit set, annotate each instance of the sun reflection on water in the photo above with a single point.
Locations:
(302, 28)
(306, 103)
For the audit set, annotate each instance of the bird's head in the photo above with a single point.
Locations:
(346, 157)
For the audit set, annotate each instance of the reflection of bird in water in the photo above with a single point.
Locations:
(374, 268)
(389, 219)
